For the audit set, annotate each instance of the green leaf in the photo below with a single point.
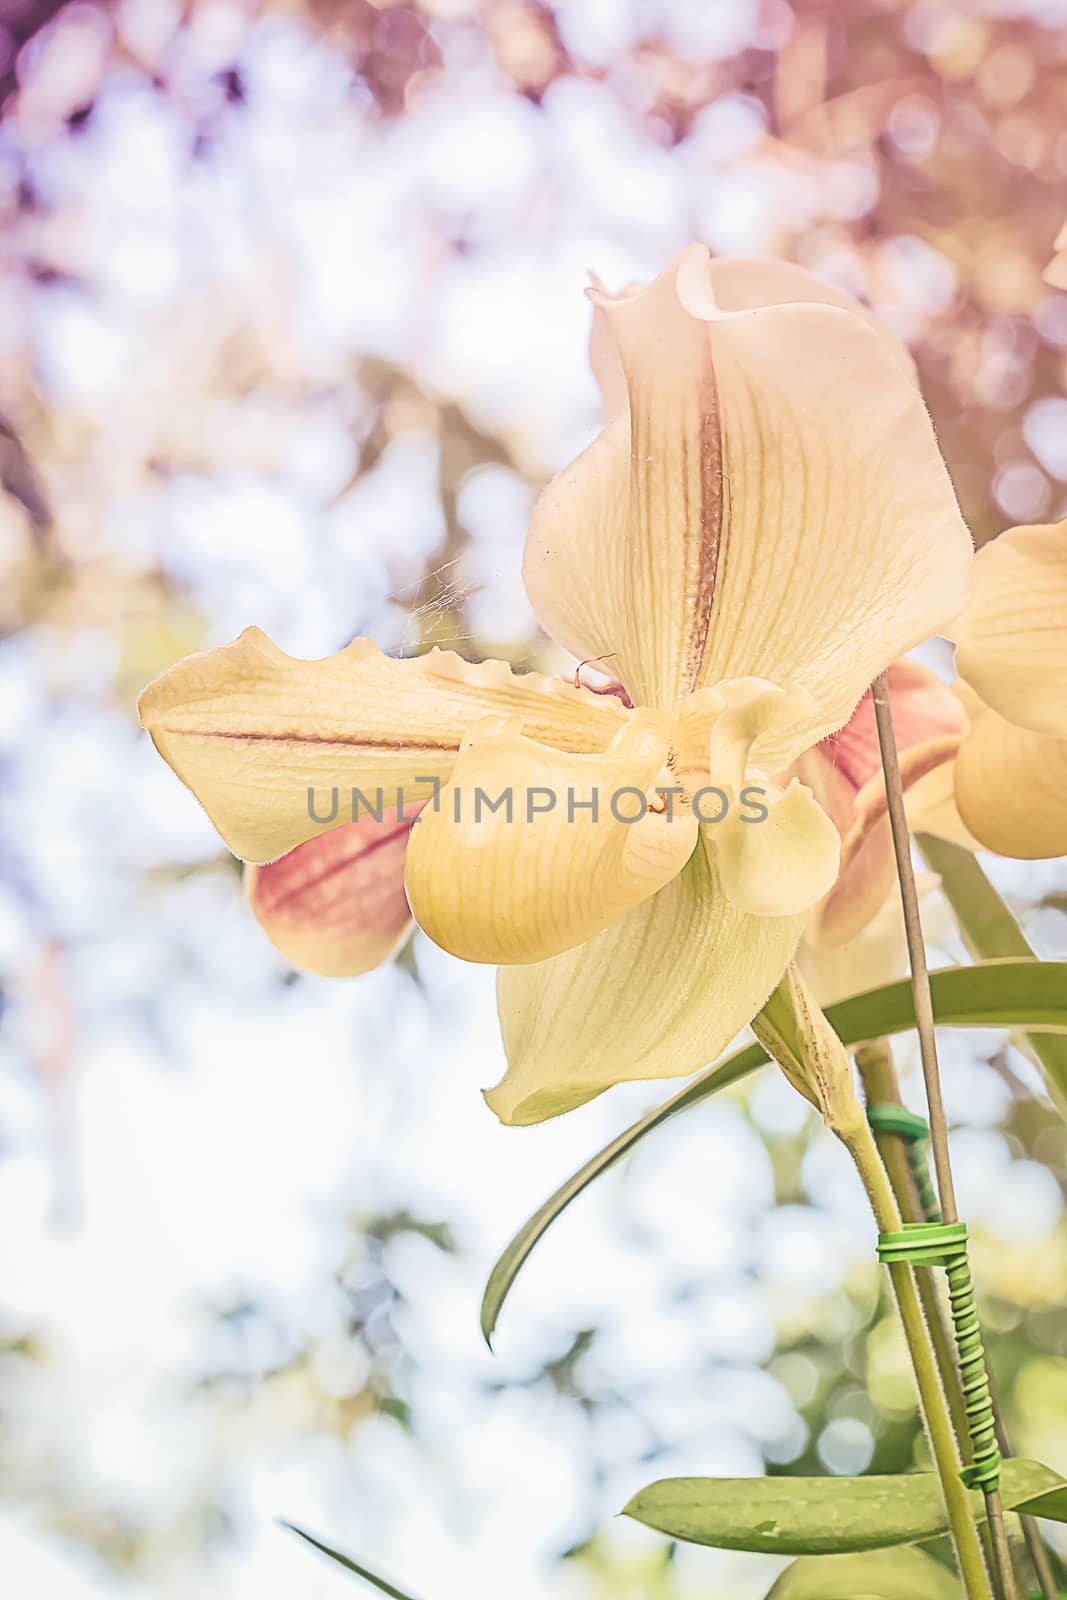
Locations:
(823, 1516)
(511, 1261)
(1012, 993)
(994, 994)
(1052, 1504)
(349, 1565)
(873, 1575)
(990, 931)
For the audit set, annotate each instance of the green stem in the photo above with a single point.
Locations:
(924, 1022)
(879, 1078)
(793, 1030)
(991, 932)
(972, 1568)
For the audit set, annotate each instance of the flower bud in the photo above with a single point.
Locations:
(795, 1033)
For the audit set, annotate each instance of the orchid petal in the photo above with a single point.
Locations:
(336, 905)
(1012, 638)
(781, 863)
(603, 351)
(748, 284)
(762, 724)
(924, 710)
(737, 726)
(931, 808)
(747, 517)
(877, 955)
(272, 745)
(657, 995)
(737, 284)
(1011, 789)
(531, 852)
(845, 773)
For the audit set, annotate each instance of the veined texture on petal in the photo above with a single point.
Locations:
(530, 851)
(657, 995)
(845, 772)
(1011, 789)
(738, 283)
(336, 904)
(273, 746)
(1012, 639)
(772, 504)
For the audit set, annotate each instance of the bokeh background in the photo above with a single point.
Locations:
(291, 331)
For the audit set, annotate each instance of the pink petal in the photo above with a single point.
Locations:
(923, 709)
(336, 905)
(845, 771)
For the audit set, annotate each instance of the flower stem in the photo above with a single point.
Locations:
(864, 1153)
(924, 1021)
(879, 1077)
(793, 1030)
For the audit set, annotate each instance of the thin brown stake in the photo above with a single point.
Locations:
(924, 1023)
(920, 974)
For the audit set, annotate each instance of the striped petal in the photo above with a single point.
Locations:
(845, 773)
(1012, 639)
(657, 995)
(530, 852)
(273, 747)
(336, 904)
(747, 515)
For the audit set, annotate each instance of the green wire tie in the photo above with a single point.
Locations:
(939, 1244)
(886, 1116)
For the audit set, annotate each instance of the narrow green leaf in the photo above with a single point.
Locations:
(823, 1516)
(902, 1574)
(995, 994)
(1012, 993)
(349, 1565)
(1051, 1504)
(990, 931)
(510, 1262)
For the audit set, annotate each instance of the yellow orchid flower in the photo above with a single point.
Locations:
(763, 528)
(336, 905)
(1011, 655)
